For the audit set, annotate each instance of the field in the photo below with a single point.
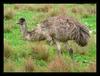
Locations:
(25, 56)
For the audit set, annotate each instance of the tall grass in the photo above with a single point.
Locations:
(40, 51)
(29, 66)
(7, 49)
(8, 26)
(9, 66)
(58, 65)
(9, 13)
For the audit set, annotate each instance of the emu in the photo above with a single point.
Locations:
(57, 29)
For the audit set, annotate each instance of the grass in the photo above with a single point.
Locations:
(9, 13)
(29, 66)
(58, 65)
(9, 66)
(27, 56)
(40, 51)
(7, 49)
(8, 26)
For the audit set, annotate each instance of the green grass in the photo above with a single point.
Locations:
(20, 50)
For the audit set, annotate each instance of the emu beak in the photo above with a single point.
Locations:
(17, 23)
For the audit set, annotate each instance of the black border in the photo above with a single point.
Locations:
(36, 2)
(49, 1)
(1, 37)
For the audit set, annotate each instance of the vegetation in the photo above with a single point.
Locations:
(37, 56)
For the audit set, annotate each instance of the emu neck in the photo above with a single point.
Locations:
(23, 30)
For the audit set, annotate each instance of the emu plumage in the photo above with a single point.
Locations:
(57, 29)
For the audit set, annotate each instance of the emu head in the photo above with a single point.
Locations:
(23, 28)
(35, 34)
(21, 21)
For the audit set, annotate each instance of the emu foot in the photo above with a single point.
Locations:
(71, 52)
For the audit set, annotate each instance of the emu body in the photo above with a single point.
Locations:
(57, 29)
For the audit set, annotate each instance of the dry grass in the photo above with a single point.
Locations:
(29, 66)
(34, 7)
(91, 67)
(58, 65)
(9, 66)
(61, 11)
(16, 6)
(8, 27)
(7, 49)
(84, 12)
(77, 10)
(40, 18)
(9, 13)
(91, 10)
(54, 13)
(81, 11)
(40, 51)
(44, 8)
(66, 64)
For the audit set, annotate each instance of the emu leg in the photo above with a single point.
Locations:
(58, 47)
(48, 38)
(49, 41)
(70, 50)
